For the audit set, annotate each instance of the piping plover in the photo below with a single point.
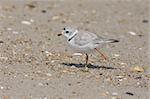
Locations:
(85, 42)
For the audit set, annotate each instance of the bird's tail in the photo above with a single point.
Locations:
(112, 41)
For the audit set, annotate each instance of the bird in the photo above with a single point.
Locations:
(85, 42)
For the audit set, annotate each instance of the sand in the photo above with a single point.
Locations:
(35, 63)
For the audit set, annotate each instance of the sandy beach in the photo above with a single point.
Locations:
(36, 63)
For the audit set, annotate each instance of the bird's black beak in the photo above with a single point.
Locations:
(59, 34)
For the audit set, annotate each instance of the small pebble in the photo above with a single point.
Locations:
(43, 11)
(119, 77)
(9, 29)
(40, 84)
(49, 74)
(31, 20)
(138, 69)
(48, 53)
(31, 6)
(145, 21)
(15, 32)
(125, 78)
(132, 33)
(26, 22)
(129, 93)
(69, 84)
(140, 48)
(114, 97)
(55, 18)
(105, 93)
(116, 55)
(1, 87)
(120, 80)
(77, 54)
(52, 61)
(39, 71)
(1, 41)
(138, 83)
(140, 35)
(114, 94)
(73, 92)
(73, 66)
(122, 64)
(64, 71)
(26, 75)
(45, 98)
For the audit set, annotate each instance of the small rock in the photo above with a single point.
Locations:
(69, 84)
(49, 74)
(52, 61)
(148, 75)
(64, 71)
(132, 33)
(138, 69)
(1, 87)
(15, 32)
(120, 80)
(48, 53)
(26, 75)
(77, 54)
(105, 93)
(26, 22)
(39, 71)
(140, 48)
(129, 93)
(114, 94)
(55, 18)
(31, 20)
(31, 6)
(114, 97)
(73, 92)
(119, 77)
(45, 98)
(9, 29)
(63, 21)
(145, 21)
(116, 55)
(73, 66)
(1, 41)
(138, 83)
(40, 84)
(43, 11)
(122, 63)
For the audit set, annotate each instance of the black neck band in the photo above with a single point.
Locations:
(72, 37)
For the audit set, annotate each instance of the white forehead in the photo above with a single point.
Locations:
(68, 29)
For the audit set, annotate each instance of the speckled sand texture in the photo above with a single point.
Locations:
(35, 63)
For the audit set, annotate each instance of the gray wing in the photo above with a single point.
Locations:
(84, 38)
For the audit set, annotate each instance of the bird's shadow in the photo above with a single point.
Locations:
(89, 66)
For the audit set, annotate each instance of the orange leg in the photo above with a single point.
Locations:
(87, 58)
(104, 57)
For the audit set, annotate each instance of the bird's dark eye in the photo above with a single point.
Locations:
(64, 28)
(67, 31)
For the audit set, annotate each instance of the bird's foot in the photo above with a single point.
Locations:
(85, 69)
